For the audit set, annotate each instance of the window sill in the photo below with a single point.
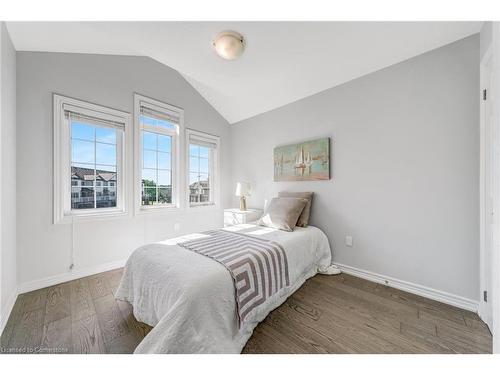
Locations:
(145, 210)
(203, 207)
(91, 216)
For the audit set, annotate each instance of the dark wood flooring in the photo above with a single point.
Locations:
(328, 314)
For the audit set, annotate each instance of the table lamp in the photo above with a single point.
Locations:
(243, 191)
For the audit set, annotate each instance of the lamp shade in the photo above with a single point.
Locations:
(243, 189)
(229, 45)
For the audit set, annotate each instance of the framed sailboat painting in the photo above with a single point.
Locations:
(304, 161)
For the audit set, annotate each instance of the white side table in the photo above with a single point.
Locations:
(234, 216)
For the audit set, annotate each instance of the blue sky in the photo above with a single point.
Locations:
(87, 137)
(93, 145)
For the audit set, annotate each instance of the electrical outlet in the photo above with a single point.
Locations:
(348, 241)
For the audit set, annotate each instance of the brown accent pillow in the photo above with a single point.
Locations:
(306, 213)
(283, 213)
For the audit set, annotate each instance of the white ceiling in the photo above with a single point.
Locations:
(283, 61)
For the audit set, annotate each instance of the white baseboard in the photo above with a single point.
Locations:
(437, 295)
(485, 314)
(5, 313)
(68, 276)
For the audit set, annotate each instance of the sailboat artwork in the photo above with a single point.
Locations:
(304, 161)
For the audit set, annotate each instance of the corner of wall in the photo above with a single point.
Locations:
(8, 192)
(1, 247)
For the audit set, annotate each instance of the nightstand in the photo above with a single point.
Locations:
(233, 216)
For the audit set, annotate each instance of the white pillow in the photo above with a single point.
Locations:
(283, 213)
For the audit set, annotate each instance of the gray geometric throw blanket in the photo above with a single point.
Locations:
(259, 267)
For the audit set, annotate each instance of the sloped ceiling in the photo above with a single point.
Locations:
(283, 61)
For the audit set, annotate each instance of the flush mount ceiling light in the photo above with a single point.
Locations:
(229, 45)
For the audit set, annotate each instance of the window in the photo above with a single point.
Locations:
(157, 140)
(94, 159)
(89, 151)
(202, 168)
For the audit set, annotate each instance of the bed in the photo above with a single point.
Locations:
(189, 298)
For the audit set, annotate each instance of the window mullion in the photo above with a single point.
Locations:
(158, 130)
(210, 178)
(200, 191)
(157, 182)
(95, 167)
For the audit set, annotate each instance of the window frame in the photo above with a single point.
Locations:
(214, 173)
(176, 154)
(62, 211)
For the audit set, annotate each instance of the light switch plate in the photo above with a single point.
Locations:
(348, 241)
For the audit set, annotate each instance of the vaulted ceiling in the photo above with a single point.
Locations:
(283, 61)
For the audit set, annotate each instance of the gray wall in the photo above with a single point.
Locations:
(405, 164)
(44, 248)
(486, 38)
(8, 276)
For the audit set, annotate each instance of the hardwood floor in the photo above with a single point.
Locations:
(328, 314)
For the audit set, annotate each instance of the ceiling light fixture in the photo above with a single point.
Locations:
(229, 45)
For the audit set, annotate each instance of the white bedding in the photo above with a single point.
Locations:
(189, 298)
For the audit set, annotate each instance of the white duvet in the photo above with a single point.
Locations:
(189, 298)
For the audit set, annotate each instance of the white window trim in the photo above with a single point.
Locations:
(62, 160)
(177, 154)
(215, 176)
